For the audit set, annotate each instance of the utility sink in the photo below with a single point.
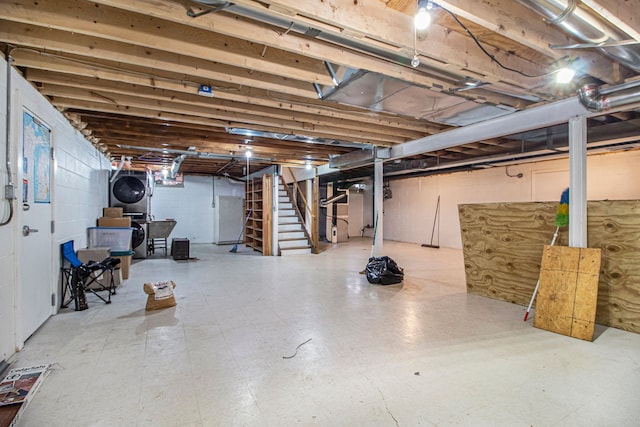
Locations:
(157, 233)
(161, 229)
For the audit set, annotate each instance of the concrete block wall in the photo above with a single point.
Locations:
(79, 190)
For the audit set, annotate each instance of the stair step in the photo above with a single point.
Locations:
(293, 243)
(284, 235)
(295, 251)
(285, 206)
(288, 221)
(289, 226)
(283, 199)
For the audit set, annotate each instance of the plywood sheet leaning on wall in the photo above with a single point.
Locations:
(614, 226)
(503, 243)
(568, 293)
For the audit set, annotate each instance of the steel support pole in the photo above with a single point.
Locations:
(378, 207)
(578, 182)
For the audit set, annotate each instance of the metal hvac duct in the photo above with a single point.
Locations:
(175, 166)
(596, 99)
(288, 25)
(587, 27)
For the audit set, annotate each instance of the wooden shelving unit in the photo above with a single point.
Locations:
(259, 201)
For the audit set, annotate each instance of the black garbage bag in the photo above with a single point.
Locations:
(383, 271)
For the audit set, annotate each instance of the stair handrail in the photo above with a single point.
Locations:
(298, 189)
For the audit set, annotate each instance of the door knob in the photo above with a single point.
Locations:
(26, 230)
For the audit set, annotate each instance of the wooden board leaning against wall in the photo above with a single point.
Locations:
(503, 243)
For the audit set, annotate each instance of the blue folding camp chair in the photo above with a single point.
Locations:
(79, 277)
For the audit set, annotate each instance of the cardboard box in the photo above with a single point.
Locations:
(106, 221)
(112, 212)
(160, 295)
(125, 264)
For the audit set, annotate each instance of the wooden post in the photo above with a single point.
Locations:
(267, 214)
(315, 227)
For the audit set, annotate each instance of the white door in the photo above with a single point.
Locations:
(34, 293)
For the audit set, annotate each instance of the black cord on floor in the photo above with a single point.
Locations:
(294, 354)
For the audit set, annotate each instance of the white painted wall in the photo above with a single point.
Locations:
(356, 213)
(80, 190)
(409, 215)
(192, 205)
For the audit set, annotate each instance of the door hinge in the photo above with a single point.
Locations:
(53, 299)
(53, 226)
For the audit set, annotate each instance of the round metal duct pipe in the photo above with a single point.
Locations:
(587, 27)
(595, 99)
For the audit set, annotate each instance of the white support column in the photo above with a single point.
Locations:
(578, 182)
(378, 207)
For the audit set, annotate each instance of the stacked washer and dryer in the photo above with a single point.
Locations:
(131, 191)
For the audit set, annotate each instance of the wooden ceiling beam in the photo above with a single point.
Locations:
(108, 135)
(90, 19)
(201, 116)
(525, 27)
(625, 15)
(226, 148)
(248, 119)
(48, 40)
(439, 47)
(140, 153)
(106, 123)
(108, 87)
(40, 66)
(228, 25)
(111, 130)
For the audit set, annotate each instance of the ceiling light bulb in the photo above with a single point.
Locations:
(422, 19)
(307, 166)
(565, 75)
(247, 153)
(415, 61)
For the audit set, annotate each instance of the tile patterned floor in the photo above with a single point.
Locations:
(423, 353)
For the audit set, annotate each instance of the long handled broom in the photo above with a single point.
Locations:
(436, 216)
(234, 249)
(562, 219)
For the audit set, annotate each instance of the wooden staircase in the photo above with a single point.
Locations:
(292, 237)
